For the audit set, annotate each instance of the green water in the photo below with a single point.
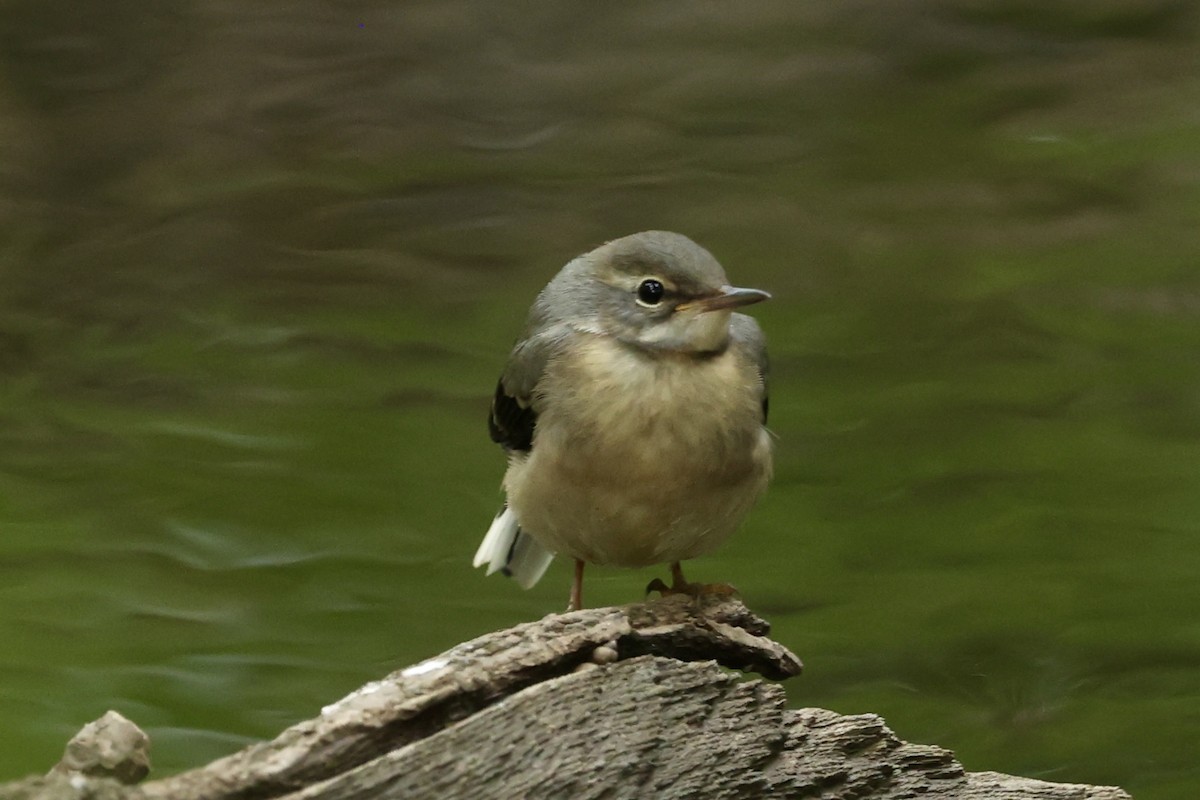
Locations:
(259, 270)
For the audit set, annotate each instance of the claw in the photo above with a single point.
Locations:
(680, 585)
(657, 585)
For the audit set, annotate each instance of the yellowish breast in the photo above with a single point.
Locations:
(641, 458)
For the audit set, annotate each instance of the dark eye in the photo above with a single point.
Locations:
(650, 292)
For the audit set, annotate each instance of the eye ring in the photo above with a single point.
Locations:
(650, 292)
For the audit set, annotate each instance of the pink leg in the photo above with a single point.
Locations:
(576, 601)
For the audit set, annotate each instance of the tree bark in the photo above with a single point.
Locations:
(603, 703)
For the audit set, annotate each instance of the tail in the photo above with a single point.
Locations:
(507, 548)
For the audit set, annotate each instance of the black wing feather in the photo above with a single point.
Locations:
(510, 423)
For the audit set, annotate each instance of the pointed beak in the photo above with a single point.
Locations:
(727, 297)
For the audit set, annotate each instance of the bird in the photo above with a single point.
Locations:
(633, 413)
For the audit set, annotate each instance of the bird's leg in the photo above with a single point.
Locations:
(576, 601)
(678, 582)
(680, 585)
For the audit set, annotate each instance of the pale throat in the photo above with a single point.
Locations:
(689, 332)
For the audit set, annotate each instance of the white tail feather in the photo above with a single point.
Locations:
(528, 561)
(498, 540)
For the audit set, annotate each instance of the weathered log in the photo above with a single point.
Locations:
(613, 703)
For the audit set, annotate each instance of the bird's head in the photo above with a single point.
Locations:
(653, 289)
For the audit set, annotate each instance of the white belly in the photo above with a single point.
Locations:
(641, 460)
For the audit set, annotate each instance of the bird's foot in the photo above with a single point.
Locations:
(693, 590)
(698, 592)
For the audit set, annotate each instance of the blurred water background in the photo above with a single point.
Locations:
(261, 263)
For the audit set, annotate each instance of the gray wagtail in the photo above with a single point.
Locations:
(632, 411)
